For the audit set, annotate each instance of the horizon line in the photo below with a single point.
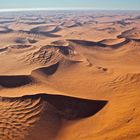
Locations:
(55, 9)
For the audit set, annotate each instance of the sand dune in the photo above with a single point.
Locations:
(5, 30)
(24, 40)
(60, 43)
(132, 34)
(46, 30)
(7, 21)
(26, 114)
(47, 70)
(50, 54)
(50, 29)
(100, 43)
(88, 62)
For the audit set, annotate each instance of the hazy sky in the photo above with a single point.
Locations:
(72, 4)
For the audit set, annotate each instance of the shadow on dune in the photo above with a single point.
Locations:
(47, 70)
(137, 40)
(41, 31)
(3, 49)
(15, 81)
(20, 46)
(69, 108)
(99, 44)
(6, 30)
(87, 43)
(74, 108)
(33, 22)
(47, 34)
(7, 21)
(65, 50)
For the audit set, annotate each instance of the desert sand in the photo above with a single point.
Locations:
(70, 75)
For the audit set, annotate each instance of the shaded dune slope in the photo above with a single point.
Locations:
(7, 21)
(44, 30)
(15, 81)
(32, 22)
(60, 43)
(3, 49)
(4, 30)
(23, 40)
(100, 43)
(47, 70)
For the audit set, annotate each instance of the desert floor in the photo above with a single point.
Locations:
(70, 75)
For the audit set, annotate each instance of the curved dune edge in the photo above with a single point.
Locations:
(45, 31)
(15, 81)
(32, 112)
(100, 43)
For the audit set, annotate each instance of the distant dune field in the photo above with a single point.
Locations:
(70, 75)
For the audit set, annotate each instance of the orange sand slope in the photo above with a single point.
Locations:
(70, 75)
